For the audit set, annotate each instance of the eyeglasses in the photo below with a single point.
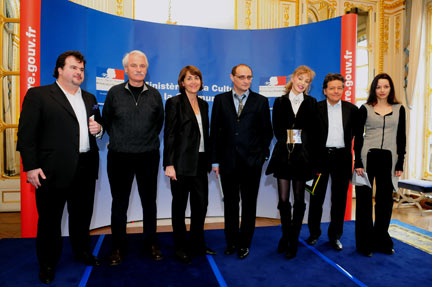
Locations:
(243, 77)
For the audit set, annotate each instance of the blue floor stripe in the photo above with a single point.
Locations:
(335, 265)
(216, 271)
(89, 269)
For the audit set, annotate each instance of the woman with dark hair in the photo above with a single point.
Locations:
(186, 160)
(293, 124)
(379, 147)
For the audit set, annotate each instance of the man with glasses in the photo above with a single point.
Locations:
(241, 133)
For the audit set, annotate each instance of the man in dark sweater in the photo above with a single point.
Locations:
(133, 114)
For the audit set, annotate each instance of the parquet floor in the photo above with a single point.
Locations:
(10, 222)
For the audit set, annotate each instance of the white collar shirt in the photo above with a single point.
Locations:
(335, 135)
(296, 101)
(80, 111)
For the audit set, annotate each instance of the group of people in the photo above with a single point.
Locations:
(60, 123)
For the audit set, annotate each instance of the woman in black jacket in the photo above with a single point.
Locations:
(187, 162)
(293, 121)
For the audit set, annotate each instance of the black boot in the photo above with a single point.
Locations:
(296, 225)
(285, 215)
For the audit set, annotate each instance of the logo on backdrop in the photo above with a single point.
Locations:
(272, 87)
(105, 79)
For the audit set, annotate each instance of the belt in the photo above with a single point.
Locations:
(333, 150)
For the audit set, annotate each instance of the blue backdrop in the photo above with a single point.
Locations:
(104, 39)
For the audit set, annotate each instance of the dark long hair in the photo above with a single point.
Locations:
(372, 99)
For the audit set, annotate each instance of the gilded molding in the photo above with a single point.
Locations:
(169, 21)
(349, 5)
(323, 10)
(386, 34)
(323, 3)
(298, 12)
(248, 21)
(398, 33)
(394, 5)
(381, 37)
(119, 8)
(286, 16)
(10, 191)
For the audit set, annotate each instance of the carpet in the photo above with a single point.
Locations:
(319, 265)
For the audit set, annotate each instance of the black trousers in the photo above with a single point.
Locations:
(50, 203)
(242, 183)
(122, 168)
(197, 187)
(336, 168)
(370, 236)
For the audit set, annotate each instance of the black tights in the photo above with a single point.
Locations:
(291, 226)
(284, 191)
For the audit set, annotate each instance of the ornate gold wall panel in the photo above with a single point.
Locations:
(266, 14)
(124, 8)
(321, 10)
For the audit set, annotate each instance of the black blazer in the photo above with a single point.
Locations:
(349, 121)
(48, 134)
(300, 162)
(182, 135)
(248, 136)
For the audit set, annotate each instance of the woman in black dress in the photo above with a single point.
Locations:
(293, 122)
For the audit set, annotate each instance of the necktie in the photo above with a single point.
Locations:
(240, 106)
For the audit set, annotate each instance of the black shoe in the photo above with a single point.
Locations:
(282, 246)
(231, 249)
(243, 253)
(388, 251)
(312, 240)
(336, 245)
(182, 256)
(365, 253)
(155, 253)
(115, 258)
(46, 274)
(88, 259)
(209, 251)
(290, 254)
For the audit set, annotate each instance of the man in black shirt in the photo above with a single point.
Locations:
(133, 114)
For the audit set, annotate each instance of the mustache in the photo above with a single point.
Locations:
(139, 74)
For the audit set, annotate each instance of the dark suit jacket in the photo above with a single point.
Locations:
(300, 162)
(48, 134)
(248, 136)
(349, 120)
(182, 135)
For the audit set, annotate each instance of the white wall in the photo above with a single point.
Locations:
(201, 13)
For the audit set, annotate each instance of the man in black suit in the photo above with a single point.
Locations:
(337, 121)
(56, 138)
(241, 133)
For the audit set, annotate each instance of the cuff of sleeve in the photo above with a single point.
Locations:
(399, 164)
(99, 135)
(358, 164)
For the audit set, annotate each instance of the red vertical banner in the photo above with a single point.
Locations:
(348, 68)
(30, 11)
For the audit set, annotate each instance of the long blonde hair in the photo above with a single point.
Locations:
(298, 71)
